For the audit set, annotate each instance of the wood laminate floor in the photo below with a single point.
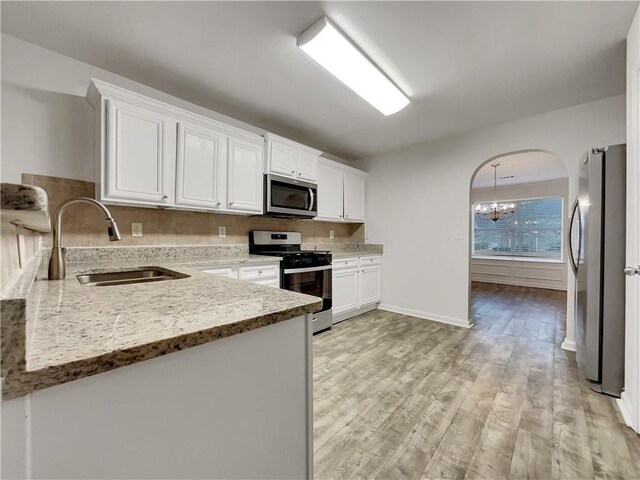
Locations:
(401, 397)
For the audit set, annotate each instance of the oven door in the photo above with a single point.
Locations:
(286, 196)
(314, 281)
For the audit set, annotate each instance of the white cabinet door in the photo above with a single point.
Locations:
(330, 195)
(244, 183)
(200, 167)
(140, 154)
(354, 192)
(282, 159)
(370, 282)
(307, 166)
(345, 291)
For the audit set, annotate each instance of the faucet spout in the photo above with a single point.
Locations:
(57, 269)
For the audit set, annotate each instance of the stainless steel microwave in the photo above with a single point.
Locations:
(290, 197)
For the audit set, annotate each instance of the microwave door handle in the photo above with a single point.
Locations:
(313, 198)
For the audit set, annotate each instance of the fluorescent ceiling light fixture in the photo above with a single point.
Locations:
(327, 46)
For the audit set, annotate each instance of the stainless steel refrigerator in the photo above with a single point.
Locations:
(597, 254)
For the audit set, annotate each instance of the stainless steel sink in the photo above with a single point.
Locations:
(141, 275)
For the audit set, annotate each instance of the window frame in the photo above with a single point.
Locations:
(515, 258)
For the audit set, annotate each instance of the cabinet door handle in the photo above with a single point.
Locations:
(218, 204)
(164, 197)
(230, 203)
(293, 172)
(299, 174)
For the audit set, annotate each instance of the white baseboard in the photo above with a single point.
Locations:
(426, 315)
(626, 409)
(568, 345)
(337, 318)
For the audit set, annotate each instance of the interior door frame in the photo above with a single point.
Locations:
(629, 403)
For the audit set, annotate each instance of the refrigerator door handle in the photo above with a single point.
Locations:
(572, 259)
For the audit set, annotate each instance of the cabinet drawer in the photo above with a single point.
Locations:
(258, 272)
(275, 283)
(222, 272)
(374, 260)
(341, 263)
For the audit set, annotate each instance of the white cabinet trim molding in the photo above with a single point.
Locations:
(99, 89)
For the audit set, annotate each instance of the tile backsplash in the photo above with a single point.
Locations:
(83, 225)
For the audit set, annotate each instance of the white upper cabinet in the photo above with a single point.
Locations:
(307, 166)
(140, 151)
(354, 196)
(151, 153)
(200, 168)
(341, 192)
(330, 192)
(245, 182)
(291, 159)
(282, 159)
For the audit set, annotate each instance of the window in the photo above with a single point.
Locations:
(535, 231)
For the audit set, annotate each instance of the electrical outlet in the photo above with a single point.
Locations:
(332, 234)
(136, 229)
(222, 232)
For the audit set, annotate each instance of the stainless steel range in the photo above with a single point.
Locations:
(303, 271)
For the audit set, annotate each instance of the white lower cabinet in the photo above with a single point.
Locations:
(261, 274)
(356, 285)
(345, 291)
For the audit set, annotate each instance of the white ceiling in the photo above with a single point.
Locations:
(464, 65)
(524, 167)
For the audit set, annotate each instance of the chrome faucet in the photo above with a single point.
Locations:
(57, 269)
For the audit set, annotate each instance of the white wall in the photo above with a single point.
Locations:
(418, 201)
(529, 273)
(630, 401)
(47, 124)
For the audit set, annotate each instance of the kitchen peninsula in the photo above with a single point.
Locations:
(168, 401)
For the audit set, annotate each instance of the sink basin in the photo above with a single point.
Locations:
(141, 275)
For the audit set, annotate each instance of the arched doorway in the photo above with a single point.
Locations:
(520, 254)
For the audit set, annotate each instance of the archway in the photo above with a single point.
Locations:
(524, 249)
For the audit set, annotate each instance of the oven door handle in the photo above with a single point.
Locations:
(289, 271)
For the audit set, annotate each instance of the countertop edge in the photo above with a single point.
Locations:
(19, 381)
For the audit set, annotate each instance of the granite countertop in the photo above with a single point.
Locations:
(67, 331)
(24, 206)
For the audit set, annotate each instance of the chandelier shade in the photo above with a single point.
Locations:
(495, 210)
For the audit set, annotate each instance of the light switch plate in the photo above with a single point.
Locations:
(222, 232)
(136, 229)
(332, 234)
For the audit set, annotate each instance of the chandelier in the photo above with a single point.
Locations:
(495, 211)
